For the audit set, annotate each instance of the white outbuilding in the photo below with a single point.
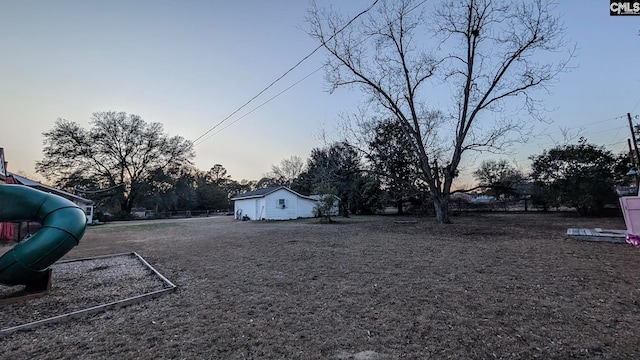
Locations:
(274, 203)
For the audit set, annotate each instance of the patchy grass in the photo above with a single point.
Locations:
(138, 226)
(504, 286)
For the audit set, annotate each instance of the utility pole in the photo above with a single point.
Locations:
(635, 142)
(636, 163)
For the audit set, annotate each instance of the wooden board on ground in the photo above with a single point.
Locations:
(37, 289)
(598, 234)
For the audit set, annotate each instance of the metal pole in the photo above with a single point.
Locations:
(633, 137)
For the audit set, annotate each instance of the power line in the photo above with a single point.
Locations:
(259, 106)
(635, 106)
(597, 122)
(520, 161)
(563, 130)
(610, 144)
(285, 74)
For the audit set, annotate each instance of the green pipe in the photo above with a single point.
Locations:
(63, 224)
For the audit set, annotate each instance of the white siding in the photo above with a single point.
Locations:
(245, 207)
(275, 211)
(270, 207)
(260, 209)
(305, 207)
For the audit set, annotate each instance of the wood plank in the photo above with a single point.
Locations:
(167, 287)
(598, 234)
(612, 231)
(38, 288)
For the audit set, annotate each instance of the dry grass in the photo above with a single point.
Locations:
(489, 286)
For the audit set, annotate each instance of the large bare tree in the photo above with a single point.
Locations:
(120, 150)
(288, 170)
(484, 52)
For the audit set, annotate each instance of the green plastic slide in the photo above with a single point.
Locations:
(63, 224)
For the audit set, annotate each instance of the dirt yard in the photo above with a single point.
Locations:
(506, 286)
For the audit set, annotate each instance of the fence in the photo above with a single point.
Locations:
(186, 214)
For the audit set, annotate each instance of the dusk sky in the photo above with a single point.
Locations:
(190, 64)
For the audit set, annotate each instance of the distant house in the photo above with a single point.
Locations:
(273, 203)
(15, 231)
(139, 213)
(483, 199)
(85, 204)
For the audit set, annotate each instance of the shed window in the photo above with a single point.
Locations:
(281, 203)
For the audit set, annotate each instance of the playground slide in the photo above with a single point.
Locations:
(63, 224)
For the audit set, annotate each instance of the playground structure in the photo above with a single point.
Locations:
(29, 264)
(631, 211)
(63, 224)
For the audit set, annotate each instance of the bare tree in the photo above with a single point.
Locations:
(288, 170)
(485, 52)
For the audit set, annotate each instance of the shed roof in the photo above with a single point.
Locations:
(266, 191)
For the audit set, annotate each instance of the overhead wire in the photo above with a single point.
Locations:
(613, 141)
(259, 106)
(635, 106)
(596, 122)
(521, 162)
(198, 140)
(202, 138)
(195, 142)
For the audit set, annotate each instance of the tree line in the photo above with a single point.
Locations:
(122, 162)
(580, 176)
